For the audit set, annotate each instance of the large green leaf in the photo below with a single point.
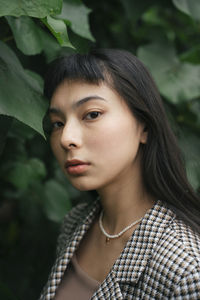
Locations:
(75, 12)
(20, 93)
(57, 201)
(176, 81)
(59, 30)
(37, 78)
(181, 83)
(26, 34)
(190, 7)
(36, 8)
(50, 45)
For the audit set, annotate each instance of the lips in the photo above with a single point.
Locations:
(76, 167)
(74, 162)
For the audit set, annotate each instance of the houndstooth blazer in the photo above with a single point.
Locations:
(160, 261)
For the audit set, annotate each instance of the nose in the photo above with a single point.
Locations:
(71, 136)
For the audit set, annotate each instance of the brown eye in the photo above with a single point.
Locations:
(92, 115)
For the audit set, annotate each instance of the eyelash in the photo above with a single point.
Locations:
(53, 125)
(92, 112)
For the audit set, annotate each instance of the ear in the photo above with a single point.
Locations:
(144, 135)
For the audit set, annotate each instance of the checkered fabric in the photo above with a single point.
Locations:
(160, 261)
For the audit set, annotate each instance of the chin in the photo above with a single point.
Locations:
(84, 184)
(83, 187)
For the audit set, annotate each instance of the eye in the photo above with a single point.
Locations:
(56, 125)
(92, 115)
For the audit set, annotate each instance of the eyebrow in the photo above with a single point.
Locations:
(53, 110)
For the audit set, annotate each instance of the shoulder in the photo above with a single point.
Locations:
(185, 259)
(181, 241)
(178, 241)
(189, 240)
(177, 258)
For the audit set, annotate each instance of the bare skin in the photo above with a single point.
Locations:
(103, 133)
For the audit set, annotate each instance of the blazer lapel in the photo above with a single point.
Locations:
(109, 289)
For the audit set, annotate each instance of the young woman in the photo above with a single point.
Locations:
(140, 239)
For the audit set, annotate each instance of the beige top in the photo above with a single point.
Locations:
(76, 284)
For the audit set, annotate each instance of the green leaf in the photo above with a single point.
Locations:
(159, 58)
(181, 83)
(176, 81)
(37, 78)
(26, 35)
(75, 13)
(22, 174)
(190, 7)
(20, 94)
(32, 39)
(57, 201)
(50, 45)
(36, 8)
(59, 30)
(21, 131)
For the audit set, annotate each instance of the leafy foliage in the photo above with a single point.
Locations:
(24, 29)
(58, 28)
(34, 193)
(190, 7)
(176, 80)
(20, 93)
(37, 8)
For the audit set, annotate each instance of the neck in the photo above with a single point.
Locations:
(123, 204)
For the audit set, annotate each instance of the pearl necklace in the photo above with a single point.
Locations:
(114, 236)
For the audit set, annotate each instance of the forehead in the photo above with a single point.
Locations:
(73, 91)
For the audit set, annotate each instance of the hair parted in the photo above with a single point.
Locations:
(162, 167)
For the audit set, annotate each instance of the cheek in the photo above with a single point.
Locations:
(103, 137)
(114, 139)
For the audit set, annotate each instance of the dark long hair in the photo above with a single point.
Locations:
(162, 167)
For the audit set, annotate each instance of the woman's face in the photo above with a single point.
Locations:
(95, 137)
